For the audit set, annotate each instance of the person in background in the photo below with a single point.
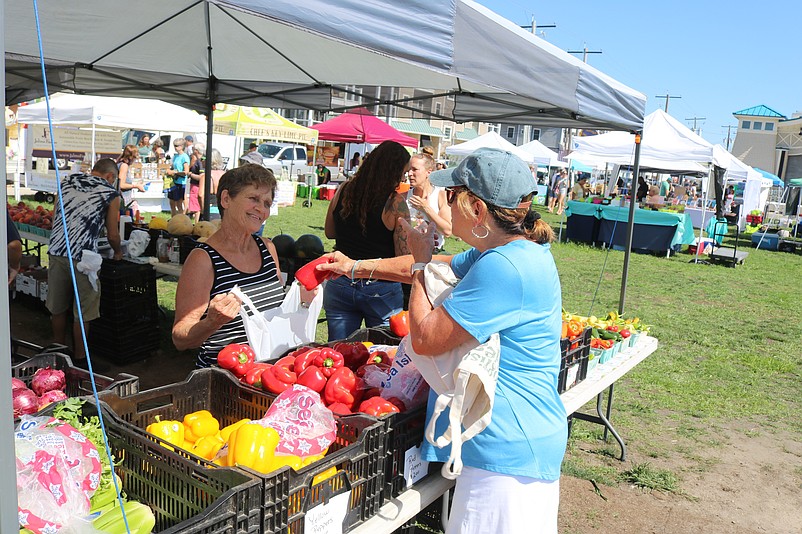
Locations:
(562, 191)
(91, 202)
(363, 219)
(355, 161)
(196, 176)
(143, 147)
(206, 313)
(729, 196)
(157, 149)
(643, 189)
(179, 170)
(427, 203)
(440, 166)
(125, 176)
(218, 169)
(252, 155)
(188, 142)
(665, 186)
(323, 174)
(13, 248)
(581, 188)
(510, 479)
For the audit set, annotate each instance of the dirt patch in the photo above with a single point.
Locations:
(751, 484)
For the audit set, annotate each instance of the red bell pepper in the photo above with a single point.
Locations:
(313, 378)
(287, 361)
(354, 354)
(340, 409)
(304, 358)
(236, 357)
(341, 387)
(363, 369)
(377, 406)
(398, 403)
(329, 360)
(278, 379)
(625, 333)
(379, 356)
(253, 377)
(399, 323)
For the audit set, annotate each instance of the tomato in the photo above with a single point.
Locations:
(399, 323)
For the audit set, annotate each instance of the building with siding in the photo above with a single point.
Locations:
(770, 141)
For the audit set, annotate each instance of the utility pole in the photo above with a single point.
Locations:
(585, 52)
(667, 97)
(533, 27)
(729, 130)
(694, 119)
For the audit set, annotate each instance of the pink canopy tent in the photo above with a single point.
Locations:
(359, 126)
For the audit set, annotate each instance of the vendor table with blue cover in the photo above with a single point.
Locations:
(654, 230)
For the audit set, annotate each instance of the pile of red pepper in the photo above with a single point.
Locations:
(335, 372)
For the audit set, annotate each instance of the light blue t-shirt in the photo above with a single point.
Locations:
(513, 290)
(178, 165)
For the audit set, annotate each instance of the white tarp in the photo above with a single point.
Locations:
(301, 53)
(133, 113)
(667, 144)
(489, 140)
(542, 154)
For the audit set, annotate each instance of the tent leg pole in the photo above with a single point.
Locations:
(630, 229)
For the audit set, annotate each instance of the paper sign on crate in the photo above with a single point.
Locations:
(328, 518)
(415, 467)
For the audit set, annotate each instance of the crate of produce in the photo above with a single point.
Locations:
(404, 430)
(573, 360)
(184, 495)
(78, 381)
(22, 350)
(358, 449)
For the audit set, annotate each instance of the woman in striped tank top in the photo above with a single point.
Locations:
(206, 314)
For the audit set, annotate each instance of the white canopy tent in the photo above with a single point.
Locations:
(756, 185)
(543, 155)
(131, 113)
(489, 140)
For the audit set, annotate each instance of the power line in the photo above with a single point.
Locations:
(729, 128)
(667, 97)
(694, 119)
(584, 53)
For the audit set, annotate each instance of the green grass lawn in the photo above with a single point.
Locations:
(729, 355)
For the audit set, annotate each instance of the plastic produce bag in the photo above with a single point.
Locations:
(303, 422)
(272, 332)
(58, 470)
(89, 265)
(404, 381)
(138, 241)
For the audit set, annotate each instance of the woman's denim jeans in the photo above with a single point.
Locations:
(347, 302)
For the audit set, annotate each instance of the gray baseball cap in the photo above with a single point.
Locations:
(496, 176)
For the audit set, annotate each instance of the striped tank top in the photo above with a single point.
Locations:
(263, 287)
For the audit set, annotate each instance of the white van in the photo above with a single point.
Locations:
(280, 157)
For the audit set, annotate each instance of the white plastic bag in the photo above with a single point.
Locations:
(137, 243)
(272, 332)
(404, 380)
(89, 265)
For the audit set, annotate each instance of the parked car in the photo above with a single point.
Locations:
(283, 156)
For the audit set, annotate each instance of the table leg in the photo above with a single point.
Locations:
(604, 419)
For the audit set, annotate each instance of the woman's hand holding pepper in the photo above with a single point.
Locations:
(339, 265)
(222, 309)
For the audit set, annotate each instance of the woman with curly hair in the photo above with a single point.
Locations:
(125, 177)
(363, 219)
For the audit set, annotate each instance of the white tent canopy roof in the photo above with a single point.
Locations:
(133, 113)
(542, 154)
(489, 140)
(492, 68)
(667, 144)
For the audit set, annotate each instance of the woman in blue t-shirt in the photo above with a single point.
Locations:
(508, 285)
(179, 170)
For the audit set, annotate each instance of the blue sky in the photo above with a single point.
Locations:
(719, 56)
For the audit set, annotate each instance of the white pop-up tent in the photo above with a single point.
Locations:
(543, 155)
(488, 140)
(113, 112)
(756, 185)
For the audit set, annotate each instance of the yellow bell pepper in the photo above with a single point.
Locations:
(252, 445)
(225, 432)
(328, 473)
(199, 424)
(169, 431)
(208, 446)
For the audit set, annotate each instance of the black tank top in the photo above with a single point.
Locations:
(376, 242)
(262, 287)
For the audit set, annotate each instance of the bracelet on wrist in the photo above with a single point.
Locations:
(353, 268)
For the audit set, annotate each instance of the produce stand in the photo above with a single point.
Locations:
(34, 242)
(408, 504)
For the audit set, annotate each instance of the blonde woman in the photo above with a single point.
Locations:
(128, 157)
(426, 202)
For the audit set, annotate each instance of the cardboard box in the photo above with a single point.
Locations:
(27, 285)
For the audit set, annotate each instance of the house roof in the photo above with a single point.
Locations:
(467, 134)
(760, 111)
(416, 126)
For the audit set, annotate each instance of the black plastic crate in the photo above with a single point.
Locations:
(120, 314)
(185, 496)
(79, 381)
(121, 343)
(574, 360)
(358, 449)
(23, 350)
(377, 335)
(186, 243)
(123, 280)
